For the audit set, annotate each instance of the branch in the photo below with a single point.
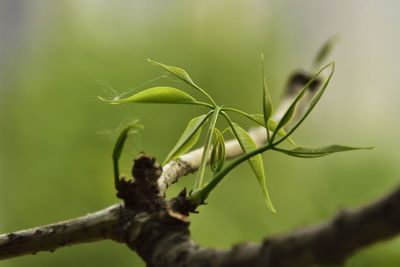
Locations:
(328, 243)
(93, 227)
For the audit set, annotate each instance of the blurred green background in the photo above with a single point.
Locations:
(56, 138)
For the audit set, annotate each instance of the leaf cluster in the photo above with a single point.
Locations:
(214, 143)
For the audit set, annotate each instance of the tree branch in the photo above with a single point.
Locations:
(328, 243)
(93, 227)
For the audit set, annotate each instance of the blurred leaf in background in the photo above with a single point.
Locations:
(56, 137)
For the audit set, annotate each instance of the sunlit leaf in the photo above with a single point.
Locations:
(256, 163)
(167, 95)
(259, 118)
(178, 72)
(304, 152)
(188, 138)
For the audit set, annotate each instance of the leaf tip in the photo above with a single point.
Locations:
(333, 63)
(104, 100)
(269, 203)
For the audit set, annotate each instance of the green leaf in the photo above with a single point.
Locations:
(325, 50)
(178, 72)
(188, 138)
(304, 152)
(289, 112)
(218, 152)
(256, 163)
(267, 102)
(119, 146)
(315, 98)
(156, 95)
(181, 74)
(259, 118)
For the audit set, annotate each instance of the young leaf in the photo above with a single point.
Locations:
(188, 138)
(167, 95)
(267, 102)
(256, 163)
(181, 74)
(119, 146)
(259, 118)
(289, 113)
(178, 72)
(218, 152)
(304, 152)
(315, 98)
(325, 50)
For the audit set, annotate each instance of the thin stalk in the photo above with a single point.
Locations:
(116, 173)
(241, 113)
(204, 157)
(204, 93)
(203, 104)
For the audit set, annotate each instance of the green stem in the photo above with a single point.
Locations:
(203, 104)
(204, 93)
(199, 196)
(116, 173)
(200, 175)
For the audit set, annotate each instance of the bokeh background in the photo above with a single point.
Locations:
(56, 138)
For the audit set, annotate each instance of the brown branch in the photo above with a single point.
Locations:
(161, 244)
(157, 230)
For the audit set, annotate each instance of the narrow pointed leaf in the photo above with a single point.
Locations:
(304, 152)
(188, 138)
(178, 72)
(119, 146)
(256, 163)
(287, 116)
(166, 95)
(315, 98)
(267, 102)
(289, 112)
(259, 118)
(325, 50)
